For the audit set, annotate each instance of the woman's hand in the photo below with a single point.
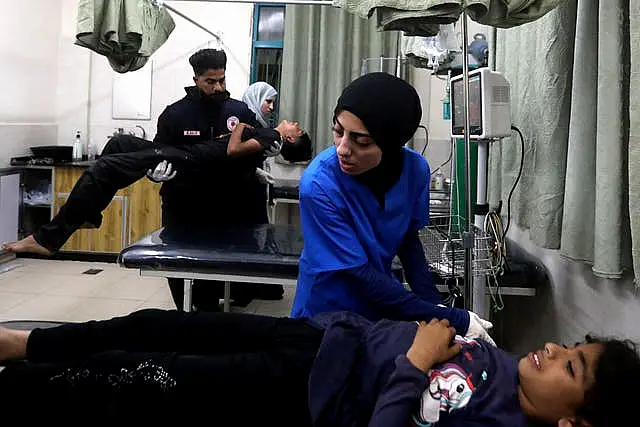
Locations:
(479, 328)
(433, 344)
(265, 177)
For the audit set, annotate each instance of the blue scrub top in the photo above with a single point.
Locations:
(344, 227)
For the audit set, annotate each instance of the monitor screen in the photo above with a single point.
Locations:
(475, 106)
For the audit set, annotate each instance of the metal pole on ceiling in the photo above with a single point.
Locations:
(307, 2)
(468, 239)
(161, 3)
(186, 18)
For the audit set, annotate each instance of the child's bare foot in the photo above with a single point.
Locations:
(13, 344)
(28, 244)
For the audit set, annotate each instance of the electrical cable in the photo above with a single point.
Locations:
(515, 183)
(446, 161)
(494, 228)
(497, 256)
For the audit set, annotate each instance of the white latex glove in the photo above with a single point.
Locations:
(274, 149)
(265, 177)
(479, 328)
(162, 172)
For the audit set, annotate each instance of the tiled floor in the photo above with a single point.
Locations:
(33, 289)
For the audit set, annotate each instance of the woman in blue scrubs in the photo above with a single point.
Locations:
(362, 203)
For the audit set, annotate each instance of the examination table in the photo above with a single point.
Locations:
(268, 254)
(259, 254)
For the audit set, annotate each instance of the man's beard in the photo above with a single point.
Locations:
(217, 97)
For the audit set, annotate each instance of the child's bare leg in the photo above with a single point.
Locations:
(13, 344)
(28, 245)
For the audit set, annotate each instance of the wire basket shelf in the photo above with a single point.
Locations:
(442, 243)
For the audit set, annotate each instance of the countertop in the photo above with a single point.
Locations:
(80, 164)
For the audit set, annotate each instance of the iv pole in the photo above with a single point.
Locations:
(467, 236)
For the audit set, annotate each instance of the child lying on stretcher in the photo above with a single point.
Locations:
(236, 156)
(335, 370)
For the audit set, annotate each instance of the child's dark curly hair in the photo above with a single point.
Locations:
(613, 398)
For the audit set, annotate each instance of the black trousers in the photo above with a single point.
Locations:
(229, 369)
(124, 160)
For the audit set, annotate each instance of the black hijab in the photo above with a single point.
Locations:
(390, 109)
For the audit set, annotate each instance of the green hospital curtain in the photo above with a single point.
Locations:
(323, 51)
(575, 77)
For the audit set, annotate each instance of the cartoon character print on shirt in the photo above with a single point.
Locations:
(450, 388)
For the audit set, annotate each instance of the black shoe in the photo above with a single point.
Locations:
(269, 292)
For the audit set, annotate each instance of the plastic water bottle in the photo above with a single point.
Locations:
(91, 150)
(446, 106)
(77, 148)
(438, 181)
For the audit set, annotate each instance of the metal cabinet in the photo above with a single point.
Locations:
(9, 206)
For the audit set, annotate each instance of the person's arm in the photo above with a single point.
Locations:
(400, 395)
(414, 263)
(337, 250)
(411, 252)
(433, 344)
(166, 134)
(261, 140)
(393, 301)
(397, 404)
(167, 131)
(239, 148)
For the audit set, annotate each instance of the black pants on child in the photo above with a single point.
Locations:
(124, 160)
(227, 369)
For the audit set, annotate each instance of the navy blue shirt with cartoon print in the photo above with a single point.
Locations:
(372, 383)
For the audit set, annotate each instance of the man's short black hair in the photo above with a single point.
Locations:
(612, 400)
(208, 59)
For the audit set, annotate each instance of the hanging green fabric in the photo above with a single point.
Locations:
(423, 17)
(126, 32)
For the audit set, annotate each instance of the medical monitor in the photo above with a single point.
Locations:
(489, 105)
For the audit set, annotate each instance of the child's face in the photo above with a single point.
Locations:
(553, 381)
(290, 130)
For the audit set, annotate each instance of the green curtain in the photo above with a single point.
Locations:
(323, 51)
(572, 77)
(634, 135)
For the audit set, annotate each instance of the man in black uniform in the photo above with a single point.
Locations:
(222, 194)
(97, 185)
(206, 112)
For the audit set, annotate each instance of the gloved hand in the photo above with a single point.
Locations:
(273, 149)
(162, 172)
(265, 177)
(479, 328)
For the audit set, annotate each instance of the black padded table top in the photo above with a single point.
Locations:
(265, 248)
(272, 250)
